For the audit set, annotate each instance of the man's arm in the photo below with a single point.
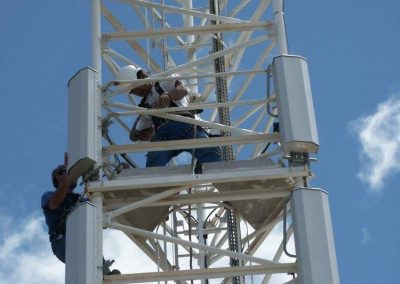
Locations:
(142, 129)
(60, 193)
(62, 189)
(177, 93)
(142, 135)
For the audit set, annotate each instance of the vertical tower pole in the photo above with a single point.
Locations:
(280, 26)
(189, 22)
(96, 62)
(97, 198)
(96, 36)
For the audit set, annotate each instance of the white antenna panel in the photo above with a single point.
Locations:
(82, 122)
(295, 105)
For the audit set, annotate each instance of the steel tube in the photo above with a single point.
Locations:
(190, 30)
(182, 11)
(142, 203)
(148, 234)
(194, 274)
(190, 143)
(137, 182)
(193, 106)
(140, 82)
(212, 56)
(280, 26)
(96, 35)
(215, 197)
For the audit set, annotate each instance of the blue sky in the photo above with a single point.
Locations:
(354, 63)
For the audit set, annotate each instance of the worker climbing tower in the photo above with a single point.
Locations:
(232, 221)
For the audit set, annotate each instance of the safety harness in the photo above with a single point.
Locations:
(158, 121)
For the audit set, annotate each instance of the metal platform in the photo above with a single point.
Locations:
(255, 188)
(140, 200)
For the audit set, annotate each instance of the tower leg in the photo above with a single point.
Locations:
(314, 240)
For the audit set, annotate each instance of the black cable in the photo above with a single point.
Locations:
(190, 215)
(190, 238)
(205, 238)
(205, 221)
(266, 148)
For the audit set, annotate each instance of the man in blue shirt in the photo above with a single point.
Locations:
(57, 205)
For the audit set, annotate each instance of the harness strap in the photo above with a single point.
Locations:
(158, 121)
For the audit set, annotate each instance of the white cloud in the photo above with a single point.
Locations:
(128, 257)
(25, 253)
(379, 135)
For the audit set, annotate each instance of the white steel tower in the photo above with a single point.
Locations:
(213, 223)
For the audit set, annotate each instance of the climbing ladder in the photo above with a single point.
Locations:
(189, 222)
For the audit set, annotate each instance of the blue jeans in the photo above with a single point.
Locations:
(174, 130)
(58, 248)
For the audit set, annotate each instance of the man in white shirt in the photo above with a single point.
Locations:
(170, 93)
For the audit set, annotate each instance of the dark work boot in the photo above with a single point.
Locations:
(114, 272)
(106, 267)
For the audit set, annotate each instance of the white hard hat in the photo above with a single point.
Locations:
(127, 73)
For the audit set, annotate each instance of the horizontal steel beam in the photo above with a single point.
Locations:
(204, 197)
(208, 273)
(209, 29)
(164, 180)
(140, 82)
(141, 203)
(190, 143)
(208, 59)
(202, 123)
(182, 11)
(193, 106)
